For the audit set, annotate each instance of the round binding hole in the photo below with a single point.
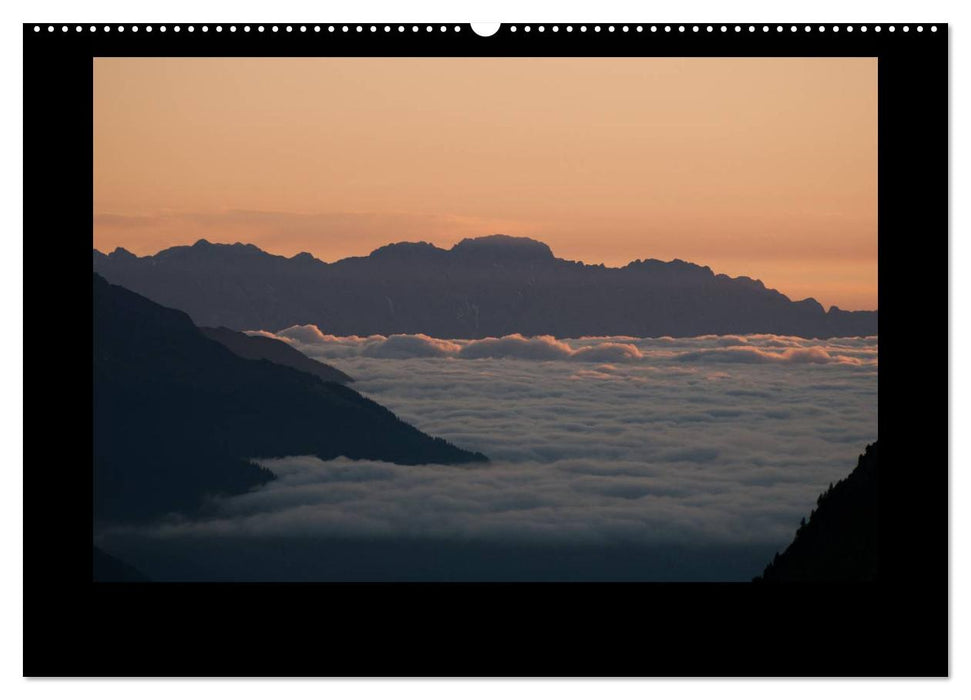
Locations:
(484, 29)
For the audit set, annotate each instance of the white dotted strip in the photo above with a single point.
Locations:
(401, 28)
(303, 28)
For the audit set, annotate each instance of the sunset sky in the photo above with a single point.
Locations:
(758, 167)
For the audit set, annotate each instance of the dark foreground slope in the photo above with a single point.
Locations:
(178, 416)
(481, 287)
(105, 567)
(258, 347)
(839, 542)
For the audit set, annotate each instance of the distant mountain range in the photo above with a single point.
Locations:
(481, 287)
(839, 541)
(178, 416)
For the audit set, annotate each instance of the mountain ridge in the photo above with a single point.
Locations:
(258, 347)
(491, 285)
(839, 541)
(179, 417)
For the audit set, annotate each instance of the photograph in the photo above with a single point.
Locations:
(485, 319)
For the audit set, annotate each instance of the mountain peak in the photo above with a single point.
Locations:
(406, 250)
(501, 246)
(119, 253)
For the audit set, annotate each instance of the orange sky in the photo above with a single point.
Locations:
(758, 167)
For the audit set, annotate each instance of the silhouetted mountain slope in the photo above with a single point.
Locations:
(489, 286)
(107, 568)
(839, 543)
(178, 416)
(258, 347)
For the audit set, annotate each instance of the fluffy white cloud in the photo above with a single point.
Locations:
(405, 346)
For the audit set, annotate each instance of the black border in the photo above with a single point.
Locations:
(895, 627)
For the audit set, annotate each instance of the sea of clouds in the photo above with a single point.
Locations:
(661, 444)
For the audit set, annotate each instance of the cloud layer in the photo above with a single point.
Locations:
(712, 441)
(754, 349)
